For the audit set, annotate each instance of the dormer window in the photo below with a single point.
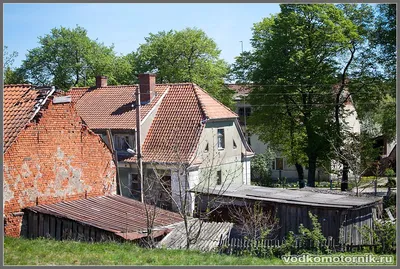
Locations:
(221, 138)
(123, 142)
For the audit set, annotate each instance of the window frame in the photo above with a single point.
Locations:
(219, 177)
(221, 133)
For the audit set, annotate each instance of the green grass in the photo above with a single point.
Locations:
(19, 251)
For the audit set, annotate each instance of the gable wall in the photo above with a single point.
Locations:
(56, 159)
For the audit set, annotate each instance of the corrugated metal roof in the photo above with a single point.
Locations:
(207, 240)
(298, 197)
(123, 216)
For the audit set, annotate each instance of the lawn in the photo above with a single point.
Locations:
(51, 252)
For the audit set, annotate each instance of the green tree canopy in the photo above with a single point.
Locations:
(295, 62)
(68, 57)
(11, 75)
(185, 56)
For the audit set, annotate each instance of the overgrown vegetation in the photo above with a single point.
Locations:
(50, 252)
(383, 236)
(261, 168)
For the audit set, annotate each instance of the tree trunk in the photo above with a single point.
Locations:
(300, 173)
(344, 186)
(312, 160)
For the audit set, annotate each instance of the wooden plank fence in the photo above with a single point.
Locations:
(240, 246)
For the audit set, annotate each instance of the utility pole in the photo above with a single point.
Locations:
(245, 124)
(138, 147)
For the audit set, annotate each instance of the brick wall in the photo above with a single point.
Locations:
(56, 159)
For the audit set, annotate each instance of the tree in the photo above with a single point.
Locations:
(68, 57)
(295, 62)
(255, 222)
(11, 75)
(385, 40)
(200, 198)
(185, 56)
(358, 153)
(261, 169)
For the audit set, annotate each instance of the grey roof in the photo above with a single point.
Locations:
(298, 197)
(207, 240)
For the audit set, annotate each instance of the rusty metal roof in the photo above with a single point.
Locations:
(123, 216)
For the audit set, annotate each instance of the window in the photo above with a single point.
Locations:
(123, 142)
(135, 186)
(206, 149)
(219, 177)
(277, 164)
(234, 144)
(248, 140)
(221, 139)
(244, 111)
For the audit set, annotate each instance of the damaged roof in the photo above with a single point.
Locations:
(21, 103)
(208, 239)
(117, 214)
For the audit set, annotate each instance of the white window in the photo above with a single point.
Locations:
(221, 138)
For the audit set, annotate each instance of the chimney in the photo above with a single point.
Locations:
(101, 81)
(147, 84)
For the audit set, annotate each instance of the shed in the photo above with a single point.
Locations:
(340, 216)
(206, 235)
(101, 218)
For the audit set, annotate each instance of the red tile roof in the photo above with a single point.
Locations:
(241, 89)
(111, 107)
(76, 93)
(176, 127)
(212, 108)
(175, 132)
(18, 109)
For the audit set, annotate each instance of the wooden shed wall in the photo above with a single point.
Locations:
(342, 224)
(36, 224)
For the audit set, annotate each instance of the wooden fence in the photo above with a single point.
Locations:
(240, 246)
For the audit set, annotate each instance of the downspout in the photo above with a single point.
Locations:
(115, 159)
(138, 146)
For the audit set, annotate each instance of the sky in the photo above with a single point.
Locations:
(127, 25)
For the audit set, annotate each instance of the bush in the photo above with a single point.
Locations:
(383, 235)
(311, 241)
(261, 169)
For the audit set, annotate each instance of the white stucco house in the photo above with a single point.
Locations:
(187, 138)
(280, 166)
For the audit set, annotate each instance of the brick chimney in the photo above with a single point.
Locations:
(147, 84)
(101, 81)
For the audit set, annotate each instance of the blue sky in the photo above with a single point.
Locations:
(126, 25)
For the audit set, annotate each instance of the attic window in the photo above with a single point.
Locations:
(206, 149)
(234, 144)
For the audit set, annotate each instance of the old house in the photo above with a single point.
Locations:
(280, 166)
(50, 155)
(183, 133)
